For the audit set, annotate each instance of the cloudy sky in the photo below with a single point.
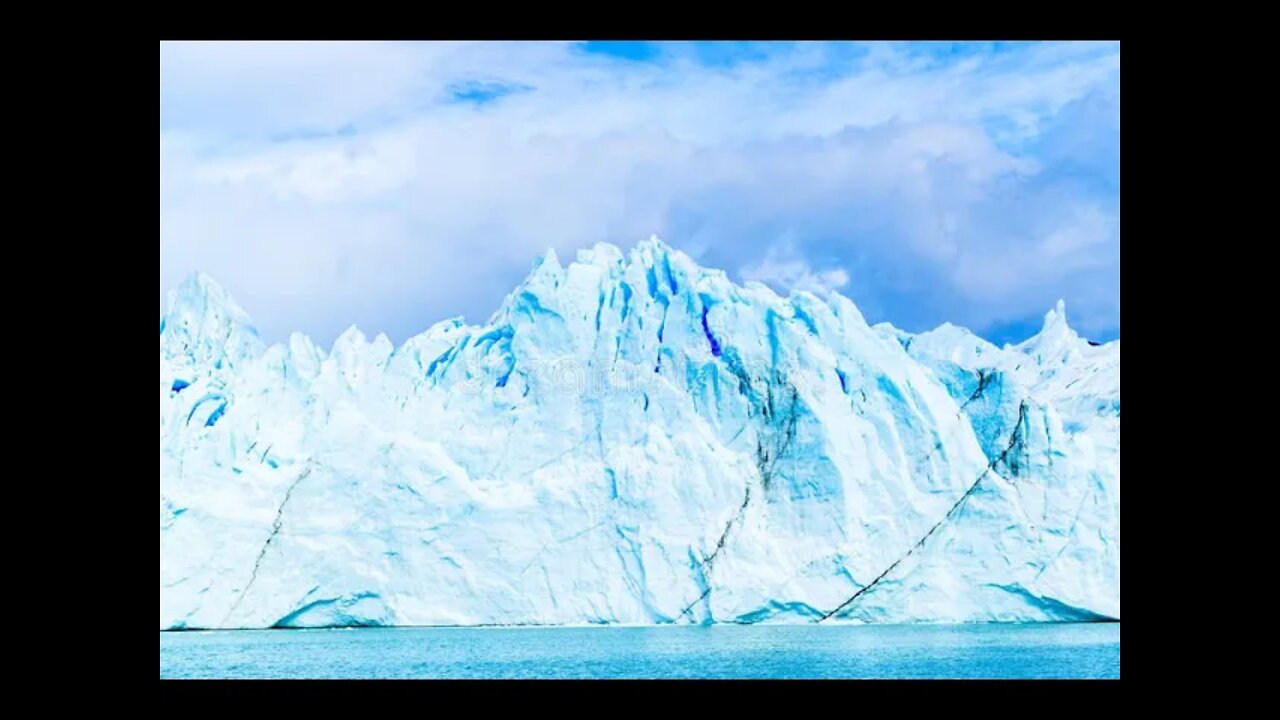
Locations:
(391, 185)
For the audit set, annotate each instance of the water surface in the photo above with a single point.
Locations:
(722, 651)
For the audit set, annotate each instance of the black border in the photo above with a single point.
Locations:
(639, 22)
(804, 696)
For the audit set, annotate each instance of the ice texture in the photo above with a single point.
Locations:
(632, 438)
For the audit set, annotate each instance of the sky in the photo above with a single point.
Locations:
(392, 185)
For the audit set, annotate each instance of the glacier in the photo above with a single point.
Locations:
(633, 438)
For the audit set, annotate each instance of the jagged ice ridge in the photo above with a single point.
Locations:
(634, 439)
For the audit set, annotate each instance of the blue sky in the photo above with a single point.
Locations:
(391, 185)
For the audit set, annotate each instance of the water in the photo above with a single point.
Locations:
(756, 651)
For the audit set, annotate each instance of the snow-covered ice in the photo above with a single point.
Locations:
(632, 438)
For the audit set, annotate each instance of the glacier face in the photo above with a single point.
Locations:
(634, 439)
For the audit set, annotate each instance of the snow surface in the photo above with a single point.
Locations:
(634, 439)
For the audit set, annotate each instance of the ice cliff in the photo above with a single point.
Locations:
(634, 439)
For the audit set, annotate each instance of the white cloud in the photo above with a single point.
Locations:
(326, 184)
(1088, 227)
(320, 172)
(783, 269)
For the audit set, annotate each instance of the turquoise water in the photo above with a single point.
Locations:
(755, 651)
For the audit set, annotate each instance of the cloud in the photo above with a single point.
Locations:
(783, 270)
(395, 184)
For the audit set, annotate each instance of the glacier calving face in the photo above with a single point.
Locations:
(634, 439)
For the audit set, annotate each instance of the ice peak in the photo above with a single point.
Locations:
(601, 255)
(653, 252)
(351, 337)
(301, 345)
(549, 259)
(202, 281)
(1055, 325)
(952, 331)
(200, 293)
(654, 245)
(546, 275)
(1056, 316)
(1056, 339)
(205, 325)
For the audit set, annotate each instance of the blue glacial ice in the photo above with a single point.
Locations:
(632, 438)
